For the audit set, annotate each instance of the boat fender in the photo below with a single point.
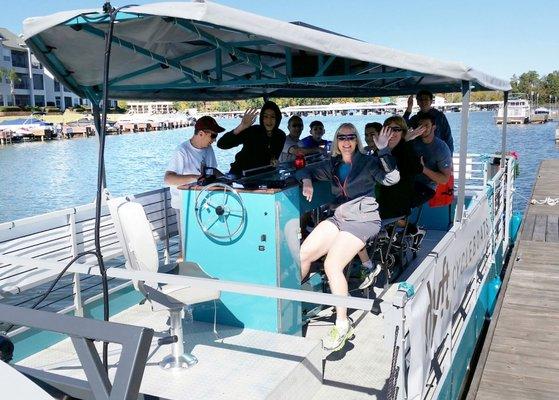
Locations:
(6, 349)
(408, 288)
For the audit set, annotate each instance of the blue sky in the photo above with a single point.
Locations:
(500, 37)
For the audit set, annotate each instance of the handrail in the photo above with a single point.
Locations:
(206, 283)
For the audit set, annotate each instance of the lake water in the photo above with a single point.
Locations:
(38, 177)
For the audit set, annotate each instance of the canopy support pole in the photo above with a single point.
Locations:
(504, 132)
(96, 111)
(466, 90)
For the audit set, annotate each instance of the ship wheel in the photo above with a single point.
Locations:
(220, 211)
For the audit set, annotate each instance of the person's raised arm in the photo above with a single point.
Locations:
(233, 138)
(248, 119)
(414, 133)
(409, 108)
(387, 173)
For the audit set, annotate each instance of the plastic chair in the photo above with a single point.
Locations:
(140, 251)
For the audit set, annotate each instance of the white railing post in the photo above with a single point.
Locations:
(77, 292)
(166, 252)
(402, 375)
(504, 132)
(466, 90)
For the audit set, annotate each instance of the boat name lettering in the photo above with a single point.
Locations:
(439, 292)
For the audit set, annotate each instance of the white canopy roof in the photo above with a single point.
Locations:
(206, 51)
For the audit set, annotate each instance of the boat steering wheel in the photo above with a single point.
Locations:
(220, 211)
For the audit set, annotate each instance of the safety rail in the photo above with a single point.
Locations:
(497, 195)
(476, 170)
(61, 235)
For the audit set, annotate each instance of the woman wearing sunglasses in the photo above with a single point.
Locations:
(353, 176)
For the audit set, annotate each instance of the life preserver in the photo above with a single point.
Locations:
(444, 194)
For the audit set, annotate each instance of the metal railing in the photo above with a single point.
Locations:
(135, 343)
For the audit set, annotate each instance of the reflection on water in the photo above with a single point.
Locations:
(40, 177)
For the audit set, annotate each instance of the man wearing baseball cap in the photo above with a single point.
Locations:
(190, 157)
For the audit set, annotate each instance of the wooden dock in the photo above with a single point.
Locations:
(520, 357)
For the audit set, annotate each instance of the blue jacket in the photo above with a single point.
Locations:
(365, 172)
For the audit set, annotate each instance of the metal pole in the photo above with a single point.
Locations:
(96, 111)
(30, 73)
(504, 133)
(463, 151)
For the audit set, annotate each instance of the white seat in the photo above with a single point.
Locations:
(140, 251)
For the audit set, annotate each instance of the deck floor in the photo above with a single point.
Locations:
(522, 358)
(360, 370)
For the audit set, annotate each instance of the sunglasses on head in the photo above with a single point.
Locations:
(349, 137)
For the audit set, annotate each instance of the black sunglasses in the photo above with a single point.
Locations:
(297, 125)
(212, 134)
(350, 137)
(396, 129)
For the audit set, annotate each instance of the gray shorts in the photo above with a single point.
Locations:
(359, 217)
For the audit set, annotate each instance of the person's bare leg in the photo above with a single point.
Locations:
(363, 255)
(317, 244)
(344, 247)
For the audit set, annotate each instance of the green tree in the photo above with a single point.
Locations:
(528, 83)
(550, 86)
(13, 78)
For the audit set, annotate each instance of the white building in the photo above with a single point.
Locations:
(36, 86)
(151, 107)
(402, 102)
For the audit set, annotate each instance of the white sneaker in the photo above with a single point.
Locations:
(417, 238)
(336, 339)
(371, 277)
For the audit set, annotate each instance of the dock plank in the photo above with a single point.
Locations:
(521, 356)
(552, 229)
(539, 228)
(528, 227)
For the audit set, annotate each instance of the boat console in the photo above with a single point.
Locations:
(247, 229)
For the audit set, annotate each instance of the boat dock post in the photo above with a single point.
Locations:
(520, 357)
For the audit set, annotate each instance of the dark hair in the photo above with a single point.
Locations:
(293, 118)
(424, 92)
(316, 123)
(422, 116)
(377, 126)
(270, 105)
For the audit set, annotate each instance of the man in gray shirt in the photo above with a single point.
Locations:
(435, 157)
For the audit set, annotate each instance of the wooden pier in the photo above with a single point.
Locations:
(520, 357)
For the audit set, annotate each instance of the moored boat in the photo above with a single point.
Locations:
(518, 112)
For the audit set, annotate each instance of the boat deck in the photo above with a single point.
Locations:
(244, 363)
(520, 359)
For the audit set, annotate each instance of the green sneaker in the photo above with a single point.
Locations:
(335, 339)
